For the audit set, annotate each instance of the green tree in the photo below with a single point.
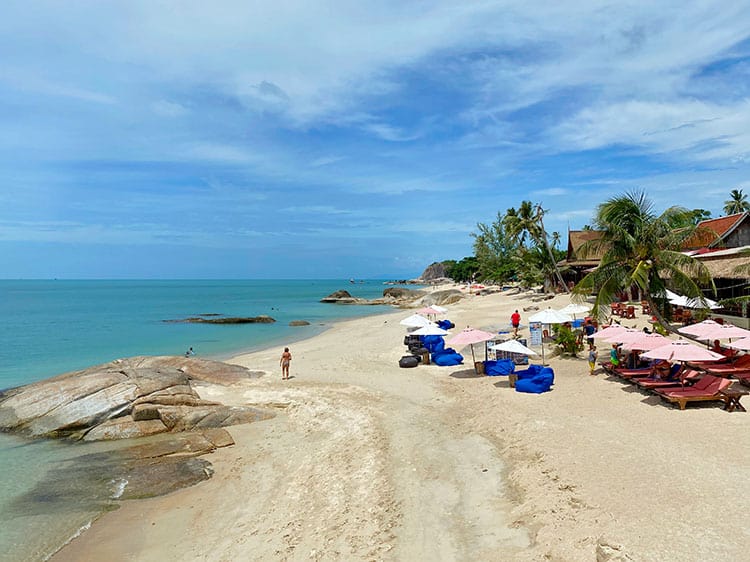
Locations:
(494, 251)
(525, 225)
(464, 270)
(642, 250)
(737, 203)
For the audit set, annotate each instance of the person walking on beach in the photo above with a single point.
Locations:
(593, 354)
(515, 321)
(286, 358)
(189, 352)
(589, 330)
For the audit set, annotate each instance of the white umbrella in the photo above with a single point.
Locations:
(549, 316)
(699, 329)
(512, 346)
(725, 331)
(687, 302)
(440, 309)
(575, 308)
(415, 321)
(430, 330)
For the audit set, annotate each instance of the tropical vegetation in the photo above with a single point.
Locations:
(737, 203)
(642, 252)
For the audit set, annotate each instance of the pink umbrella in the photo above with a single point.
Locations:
(682, 350)
(608, 332)
(470, 336)
(428, 310)
(621, 336)
(725, 331)
(744, 343)
(699, 329)
(645, 342)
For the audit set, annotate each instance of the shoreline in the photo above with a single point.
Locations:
(366, 460)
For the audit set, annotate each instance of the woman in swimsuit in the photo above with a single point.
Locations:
(286, 358)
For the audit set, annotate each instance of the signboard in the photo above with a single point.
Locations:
(535, 329)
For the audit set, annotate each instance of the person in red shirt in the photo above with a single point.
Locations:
(515, 321)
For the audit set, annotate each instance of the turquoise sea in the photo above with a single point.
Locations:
(51, 327)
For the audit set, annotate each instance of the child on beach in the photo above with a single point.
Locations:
(593, 354)
(614, 356)
(286, 358)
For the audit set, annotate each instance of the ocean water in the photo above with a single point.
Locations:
(52, 327)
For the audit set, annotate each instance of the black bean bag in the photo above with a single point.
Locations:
(408, 361)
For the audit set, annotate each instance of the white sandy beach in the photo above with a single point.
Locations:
(367, 461)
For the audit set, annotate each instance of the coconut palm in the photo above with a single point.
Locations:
(526, 227)
(737, 204)
(642, 250)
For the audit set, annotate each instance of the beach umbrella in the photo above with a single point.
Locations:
(609, 331)
(575, 308)
(645, 342)
(440, 309)
(428, 311)
(699, 329)
(513, 346)
(725, 331)
(687, 302)
(620, 336)
(549, 316)
(430, 330)
(470, 336)
(682, 350)
(743, 344)
(415, 321)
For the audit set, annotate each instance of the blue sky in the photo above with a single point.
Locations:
(179, 139)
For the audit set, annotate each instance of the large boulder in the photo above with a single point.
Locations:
(125, 398)
(342, 297)
(448, 296)
(434, 272)
(401, 294)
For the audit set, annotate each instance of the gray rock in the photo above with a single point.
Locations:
(299, 323)
(126, 398)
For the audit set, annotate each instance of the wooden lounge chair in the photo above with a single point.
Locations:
(706, 389)
(677, 381)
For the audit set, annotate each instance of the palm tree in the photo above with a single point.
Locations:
(527, 225)
(737, 204)
(641, 249)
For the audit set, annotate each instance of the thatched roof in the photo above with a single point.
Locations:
(724, 267)
(576, 239)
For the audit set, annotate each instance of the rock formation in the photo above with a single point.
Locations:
(126, 398)
(433, 272)
(262, 319)
(299, 323)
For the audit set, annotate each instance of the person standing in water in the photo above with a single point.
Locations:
(286, 358)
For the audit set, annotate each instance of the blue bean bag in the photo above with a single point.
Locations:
(445, 324)
(447, 358)
(434, 344)
(499, 367)
(535, 380)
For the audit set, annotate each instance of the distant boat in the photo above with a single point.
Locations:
(352, 281)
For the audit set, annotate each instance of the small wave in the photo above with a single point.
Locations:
(82, 529)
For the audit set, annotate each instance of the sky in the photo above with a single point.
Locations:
(330, 139)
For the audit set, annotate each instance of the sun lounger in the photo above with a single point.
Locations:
(740, 363)
(706, 389)
(675, 381)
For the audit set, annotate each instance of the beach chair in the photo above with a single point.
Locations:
(727, 369)
(629, 312)
(706, 389)
(678, 380)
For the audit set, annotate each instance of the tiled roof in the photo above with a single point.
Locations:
(711, 230)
